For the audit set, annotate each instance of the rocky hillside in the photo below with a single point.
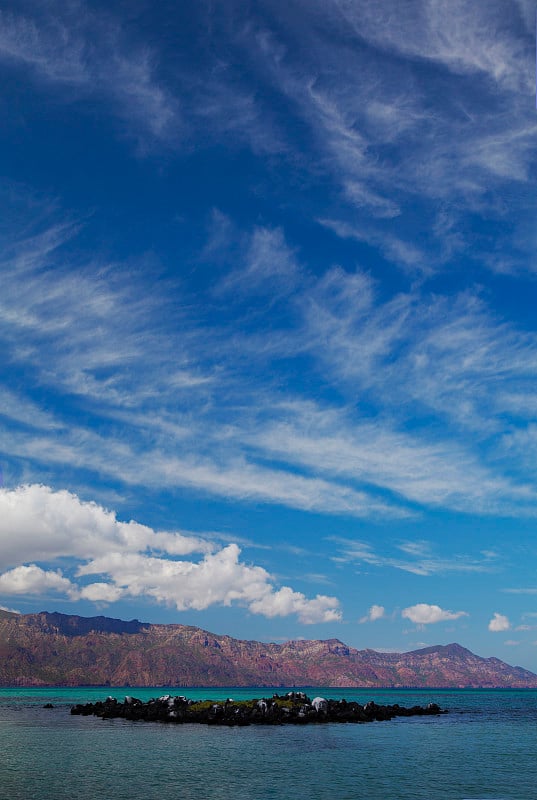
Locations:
(57, 649)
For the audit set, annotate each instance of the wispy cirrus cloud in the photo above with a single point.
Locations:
(464, 38)
(267, 264)
(82, 328)
(405, 254)
(167, 390)
(18, 409)
(79, 51)
(463, 131)
(420, 560)
(375, 455)
(356, 108)
(444, 353)
(112, 327)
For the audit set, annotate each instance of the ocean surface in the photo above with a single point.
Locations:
(484, 749)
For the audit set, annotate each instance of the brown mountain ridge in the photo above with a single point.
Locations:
(65, 650)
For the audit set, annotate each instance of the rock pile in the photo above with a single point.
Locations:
(294, 707)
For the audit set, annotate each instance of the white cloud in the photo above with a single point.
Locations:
(226, 110)
(39, 524)
(499, 622)
(464, 37)
(101, 592)
(374, 613)
(221, 473)
(360, 195)
(445, 354)
(270, 266)
(187, 424)
(405, 254)
(20, 409)
(220, 578)
(80, 52)
(430, 473)
(462, 131)
(423, 560)
(285, 601)
(425, 614)
(98, 310)
(34, 580)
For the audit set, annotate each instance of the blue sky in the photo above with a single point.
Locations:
(267, 318)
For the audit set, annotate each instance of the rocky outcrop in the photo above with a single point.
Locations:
(293, 708)
(73, 625)
(56, 649)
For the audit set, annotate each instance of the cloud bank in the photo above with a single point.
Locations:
(128, 559)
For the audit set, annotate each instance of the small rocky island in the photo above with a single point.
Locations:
(292, 708)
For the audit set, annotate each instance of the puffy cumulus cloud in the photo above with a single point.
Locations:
(285, 601)
(219, 578)
(498, 623)
(425, 614)
(101, 592)
(38, 524)
(34, 580)
(374, 613)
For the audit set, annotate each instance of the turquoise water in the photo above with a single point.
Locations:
(484, 749)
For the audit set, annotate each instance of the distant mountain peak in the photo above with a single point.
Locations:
(73, 625)
(446, 650)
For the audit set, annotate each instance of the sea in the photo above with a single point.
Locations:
(485, 748)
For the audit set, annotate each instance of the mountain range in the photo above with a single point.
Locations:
(52, 649)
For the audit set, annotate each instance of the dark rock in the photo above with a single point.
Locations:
(294, 708)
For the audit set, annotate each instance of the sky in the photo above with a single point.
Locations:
(268, 339)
